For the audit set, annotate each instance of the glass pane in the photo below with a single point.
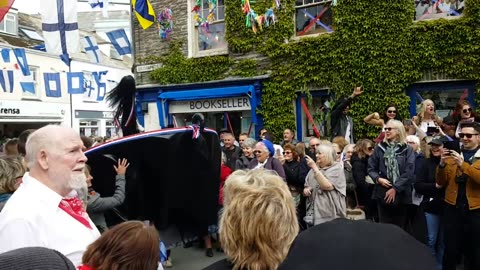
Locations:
(444, 101)
(317, 108)
(307, 22)
(211, 37)
(220, 13)
(220, 3)
(298, 2)
(428, 9)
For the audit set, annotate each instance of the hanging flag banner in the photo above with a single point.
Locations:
(7, 81)
(5, 6)
(22, 60)
(101, 85)
(91, 49)
(52, 84)
(144, 12)
(75, 83)
(102, 4)
(120, 41)
(59, 25)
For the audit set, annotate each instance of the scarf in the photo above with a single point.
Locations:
(391, 163)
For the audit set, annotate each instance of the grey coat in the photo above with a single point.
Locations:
(97, 205)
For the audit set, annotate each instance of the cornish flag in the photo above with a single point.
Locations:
(120, 41)
(91, 49)
(59, 25)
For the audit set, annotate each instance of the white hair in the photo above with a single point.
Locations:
(414, 139)
(328, 151)
(44, 138)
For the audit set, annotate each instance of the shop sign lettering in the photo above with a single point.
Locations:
(210, 105)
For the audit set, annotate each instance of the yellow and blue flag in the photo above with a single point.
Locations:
(144, 12)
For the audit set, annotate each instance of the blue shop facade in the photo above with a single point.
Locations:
(230, 104)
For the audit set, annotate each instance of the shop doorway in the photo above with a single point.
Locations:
(213, 120)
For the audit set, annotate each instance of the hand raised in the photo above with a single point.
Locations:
(122, 166)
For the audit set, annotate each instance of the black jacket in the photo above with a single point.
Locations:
(359, 172)
(339, 120)
(292, 173)
(232, 156)
(425, 185)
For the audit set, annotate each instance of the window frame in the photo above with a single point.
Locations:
(9, 17)
(195, 51)
(320, 2)
(448, 17)
(35, 72)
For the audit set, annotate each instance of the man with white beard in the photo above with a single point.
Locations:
(45, 210)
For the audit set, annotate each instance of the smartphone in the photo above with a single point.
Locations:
(407, 122)
(277, 153)
(452, 145)
(432, 130)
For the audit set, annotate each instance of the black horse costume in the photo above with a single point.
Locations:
(173, 178)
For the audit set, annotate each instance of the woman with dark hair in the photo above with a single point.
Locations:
(362, 152)
(391, 167)
(464, 113)
(291, 166)
(375, 119)
(130, 245)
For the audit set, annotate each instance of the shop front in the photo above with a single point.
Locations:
(17, 116)
(225, 104)
(94, 123)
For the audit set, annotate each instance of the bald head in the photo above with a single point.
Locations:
(55, 158)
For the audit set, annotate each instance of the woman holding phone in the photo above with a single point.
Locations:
(391, 167)
(325, 187)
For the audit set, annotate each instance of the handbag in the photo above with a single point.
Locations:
(356, 213)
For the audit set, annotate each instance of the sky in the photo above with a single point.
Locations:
(33, 6)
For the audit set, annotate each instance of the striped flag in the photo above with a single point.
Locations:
(144, 12)
(60, 27)
(5, 7)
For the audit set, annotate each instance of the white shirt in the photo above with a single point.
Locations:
(31, 217)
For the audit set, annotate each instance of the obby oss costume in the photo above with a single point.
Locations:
(173, 177)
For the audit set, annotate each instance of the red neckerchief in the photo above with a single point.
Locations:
(74, 207)
(85, 267)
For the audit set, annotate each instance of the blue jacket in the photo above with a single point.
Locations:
(406, 166)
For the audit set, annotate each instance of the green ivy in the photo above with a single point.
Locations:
(376, 44)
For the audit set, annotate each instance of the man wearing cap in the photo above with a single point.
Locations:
(459, 173)
(341, 122)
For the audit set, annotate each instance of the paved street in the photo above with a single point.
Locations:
(192, 258)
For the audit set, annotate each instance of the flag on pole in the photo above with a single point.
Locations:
(91, 49)
(59, 25)
(144, 12)
(120, 41)
(5, 7)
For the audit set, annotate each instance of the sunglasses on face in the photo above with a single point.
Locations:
(287, 152)
(388, 129)
(467, 110)
(468, 135)
(257, 152)
(392, 111)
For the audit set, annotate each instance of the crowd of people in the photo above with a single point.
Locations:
(282, 206)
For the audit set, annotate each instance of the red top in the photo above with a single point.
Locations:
(85, 267)
(225, 171)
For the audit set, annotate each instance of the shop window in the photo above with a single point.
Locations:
(319, 108)
(9, 24)
(110, 129)
(313, 17)
(434, 9)
(89, 128)
(209, 34)
(34, 71)
(444, 101)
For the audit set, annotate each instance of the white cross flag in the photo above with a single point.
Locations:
(91, 49)
(59, 25)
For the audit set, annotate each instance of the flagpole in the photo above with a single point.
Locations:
(71, 98)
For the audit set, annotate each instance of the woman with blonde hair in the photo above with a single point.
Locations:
(325, 187)
(131, 245)
(391, 167)
(11, 173)
(258, 223)
(425, 118)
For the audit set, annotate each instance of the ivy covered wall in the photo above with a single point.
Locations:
(376, 44)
